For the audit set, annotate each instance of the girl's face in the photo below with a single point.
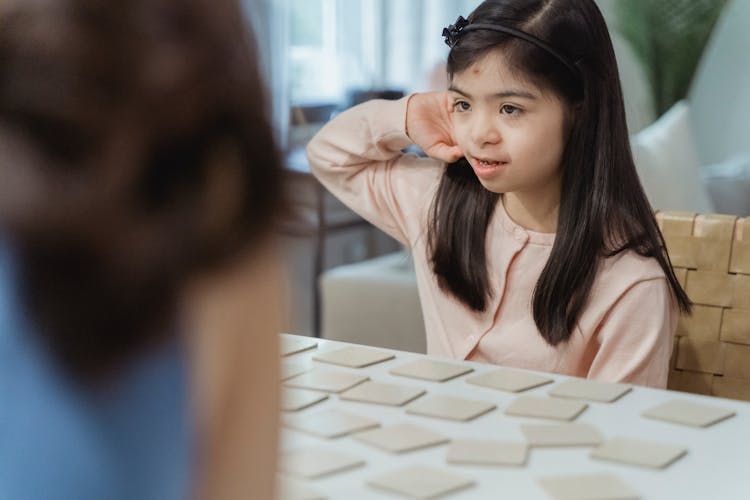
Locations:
(510, 131)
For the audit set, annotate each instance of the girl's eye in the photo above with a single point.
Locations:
(461, 106)
(509, 109)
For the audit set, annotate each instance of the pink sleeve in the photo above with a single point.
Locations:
(635, 337)
(358, 157)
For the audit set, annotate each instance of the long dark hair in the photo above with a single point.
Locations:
(142, 156)
(603, 208)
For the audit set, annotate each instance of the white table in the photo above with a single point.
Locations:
(716, 467)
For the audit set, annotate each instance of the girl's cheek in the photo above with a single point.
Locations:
(458, 138)
(458, 128)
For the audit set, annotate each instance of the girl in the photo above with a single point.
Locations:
(533, 242)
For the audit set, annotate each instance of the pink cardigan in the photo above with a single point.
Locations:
(624, 334)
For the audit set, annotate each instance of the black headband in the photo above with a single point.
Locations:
(453, 32)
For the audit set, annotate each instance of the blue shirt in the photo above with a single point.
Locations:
(130, 439)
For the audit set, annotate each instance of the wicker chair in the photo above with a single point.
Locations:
(711, 257)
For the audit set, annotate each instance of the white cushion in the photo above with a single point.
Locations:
(668, 164)
(719, 96)
(728, 183)
(375, 302)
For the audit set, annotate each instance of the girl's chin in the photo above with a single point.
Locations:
(492, 187)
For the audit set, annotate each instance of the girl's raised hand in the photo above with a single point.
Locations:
(428, 124)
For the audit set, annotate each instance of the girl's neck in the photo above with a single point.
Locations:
(534, 211)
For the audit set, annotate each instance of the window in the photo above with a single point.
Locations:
(329, 48)
(313, 58)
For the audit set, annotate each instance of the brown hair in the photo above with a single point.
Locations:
(135, 153)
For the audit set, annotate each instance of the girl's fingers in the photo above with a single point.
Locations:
(455, 153)
(447, 103)
(446, 153)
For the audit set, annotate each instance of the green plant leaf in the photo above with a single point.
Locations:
(668, 36)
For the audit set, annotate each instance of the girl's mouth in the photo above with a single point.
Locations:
(486, 168)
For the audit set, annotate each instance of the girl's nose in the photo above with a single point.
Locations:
(485, 132)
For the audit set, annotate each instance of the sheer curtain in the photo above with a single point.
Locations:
(269, 21)
(372, 44)
(412, 43)
(364, 44)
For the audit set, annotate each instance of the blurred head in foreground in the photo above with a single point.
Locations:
(136, 160)
(135, 153)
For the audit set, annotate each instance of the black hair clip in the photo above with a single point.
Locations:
(453, 31)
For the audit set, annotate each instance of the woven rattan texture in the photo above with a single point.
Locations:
(711, 256)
